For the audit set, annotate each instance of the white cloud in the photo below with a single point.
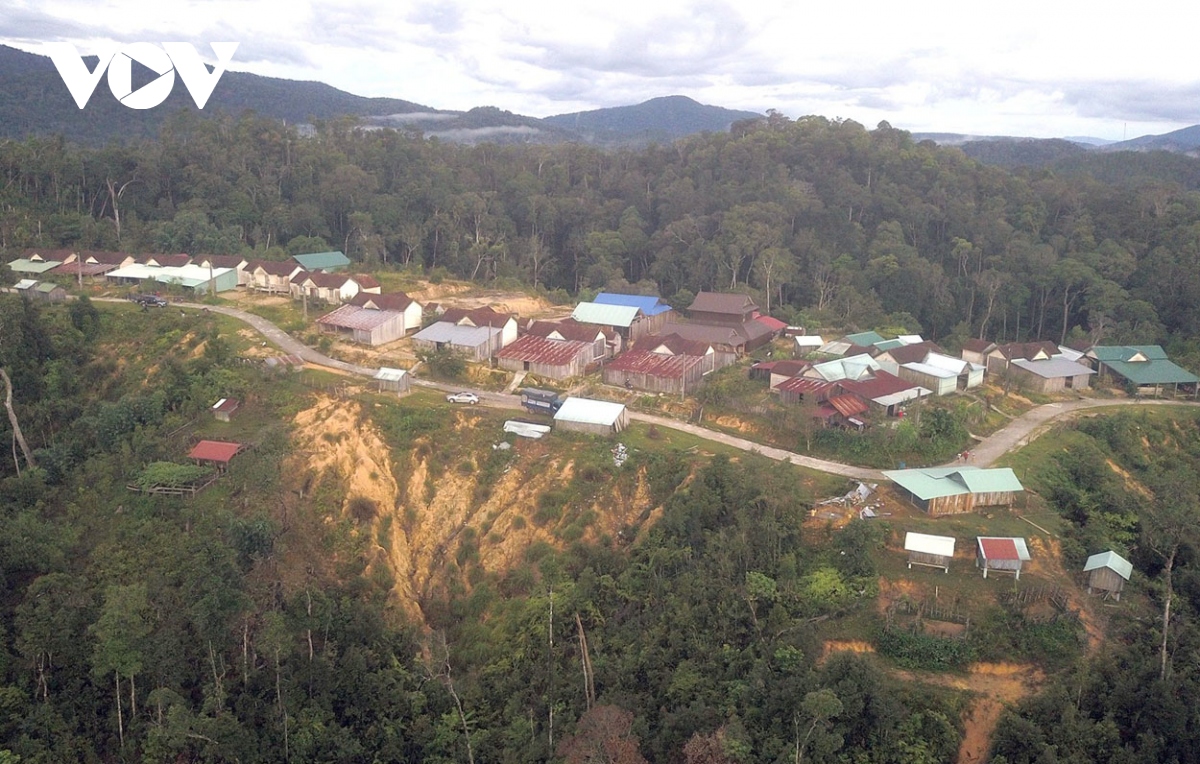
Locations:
(1021, 67)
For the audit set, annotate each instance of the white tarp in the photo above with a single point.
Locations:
(526, 429)
(943, 546)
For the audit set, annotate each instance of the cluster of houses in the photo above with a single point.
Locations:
(961, 489)
(864, 373)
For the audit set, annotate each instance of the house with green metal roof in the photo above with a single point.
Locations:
(957, 489)
(323, 261)
(34, 266)
(864, 339)
(1145, 368)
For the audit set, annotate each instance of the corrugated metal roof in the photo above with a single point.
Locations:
(390, 375)
(853, 367)
(21, 265)
(848, 405)
(723, 302)
(950, 363)
(85, 269)
(803, 385)
(467, 336)
(534, 349)
(1003, 548)
(24, 284)
(389, 301)
(226, 404)
(930, 371)
(998, 549)
(774, 324)
(214, 451)
(186, 275)
(275, 267)
(588, 411)
(865, 339)
(936, 482)
(1112, 561)
(927, 544)
(605, 315)
(809, 341)
(1070, 354)
(655, 364)
(354, 317)
(1152, 372)
(648, 304)
(1053, 368)
(1127, 352)
(319, 260)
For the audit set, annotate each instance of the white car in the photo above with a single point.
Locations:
(463, 397)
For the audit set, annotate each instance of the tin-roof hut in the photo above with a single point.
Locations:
(933, 551)
(1000, 553)
(1107, 572)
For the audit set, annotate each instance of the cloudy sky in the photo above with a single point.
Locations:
(1043, 68)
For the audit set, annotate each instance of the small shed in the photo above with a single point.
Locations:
(50, 292)
(1005, 554)
(591, 416)
(393, 381)
(1107, 572)
(933, 551)
(224, 409)
(215, 453)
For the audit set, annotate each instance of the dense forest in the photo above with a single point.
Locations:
(825, 221)
(248, 625)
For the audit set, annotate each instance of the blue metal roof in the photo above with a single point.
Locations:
(649, 304)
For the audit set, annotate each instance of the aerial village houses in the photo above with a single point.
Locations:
(1107, 572)
(1144, 368)
(594, 417)
(224, 409)
(34, 265)
(477, 334)
(605, 342)
(736, 312)
(323, 262)
(1001, 554)
(189, 277)
(545, 357)
(932, 551)
(393, 381)
(942, 374)
(215, 453)
(165, 261)
(236, 262)
(366, 326)
(626, 320)
(656, 313)
(332, 288)
(662, 364)
(957, 489)
(273, 276)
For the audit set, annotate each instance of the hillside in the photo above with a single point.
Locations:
(659, 119)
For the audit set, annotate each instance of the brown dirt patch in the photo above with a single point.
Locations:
(832, 646)
(1131, 482)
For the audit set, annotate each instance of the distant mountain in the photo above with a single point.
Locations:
(665, 118)
(1021, 152)
(1087, 140)
(1184, 141)
(34, 101)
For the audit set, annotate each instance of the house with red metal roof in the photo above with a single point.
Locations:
(272, 276)
(545, 357)
(662, 364)
(398, 302)
(215, 453)
(1001, 554)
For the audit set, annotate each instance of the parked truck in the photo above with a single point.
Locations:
(540, 401)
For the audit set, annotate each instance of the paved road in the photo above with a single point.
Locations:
(1016, 433)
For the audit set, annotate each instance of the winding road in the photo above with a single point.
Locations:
(1016, 433)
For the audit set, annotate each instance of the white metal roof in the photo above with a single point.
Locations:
(1067, 353)
(186, 275)
(950, 363)
(927, 544)
(25, 284)
(390, 375)
(910, 339)
(809, 341)
(466, 336)
(588, 411)
(1052, 368)
(605, 315)
(1112, 561)
(930, 370)
(902, 396)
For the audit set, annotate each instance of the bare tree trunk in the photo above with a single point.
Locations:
(120, 718)
(589, 679)
(12, 419)
(1166, 618)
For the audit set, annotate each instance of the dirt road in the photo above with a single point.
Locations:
(1015, 434)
